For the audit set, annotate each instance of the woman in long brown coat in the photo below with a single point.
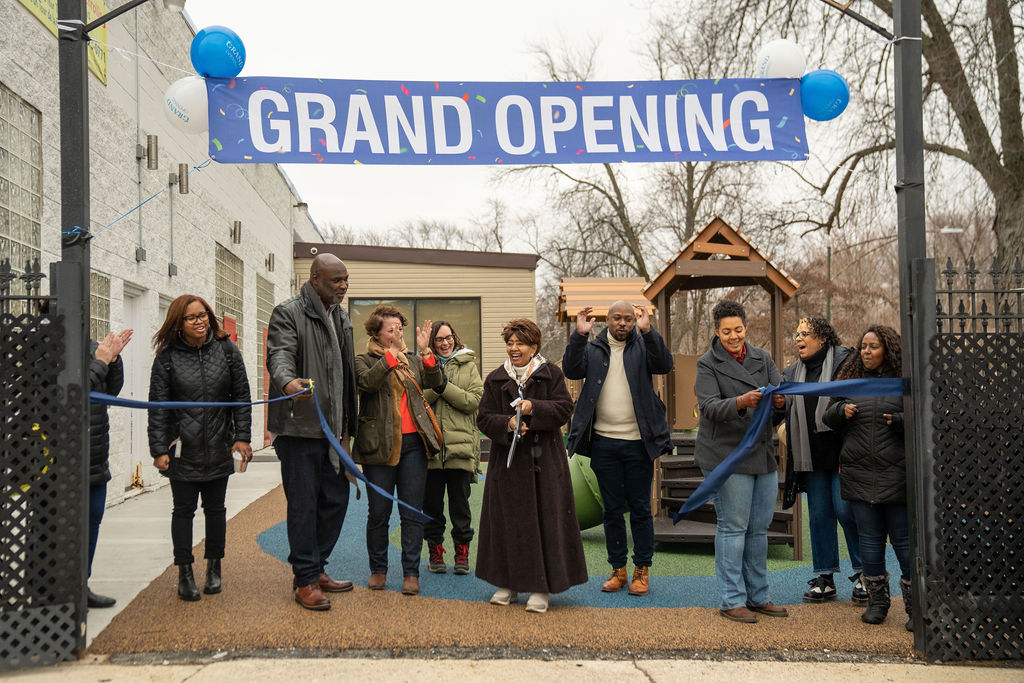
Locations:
(529, 536)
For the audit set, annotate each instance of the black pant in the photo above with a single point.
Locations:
(317, 501)
(456, 483)
(624, 473)
(185, 495)
(874, 523)
(409, 477)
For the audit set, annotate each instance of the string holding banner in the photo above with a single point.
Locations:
(310, 120)
(872, 386)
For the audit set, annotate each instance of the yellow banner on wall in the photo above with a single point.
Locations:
(46, 12)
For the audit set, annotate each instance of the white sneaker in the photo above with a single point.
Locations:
(504, 596)
(538, 603)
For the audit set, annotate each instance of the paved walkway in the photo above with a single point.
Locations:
(135, 537)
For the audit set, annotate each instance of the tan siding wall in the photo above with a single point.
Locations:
(505, 293)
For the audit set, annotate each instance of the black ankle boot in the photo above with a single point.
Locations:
(212, 577)
(907, 603)
(878, 599)
(187, 589)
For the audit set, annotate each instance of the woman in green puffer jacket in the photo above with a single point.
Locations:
(454, 468)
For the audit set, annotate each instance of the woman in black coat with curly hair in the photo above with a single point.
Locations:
(197, 361)
(872, 473)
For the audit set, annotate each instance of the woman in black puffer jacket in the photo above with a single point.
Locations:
(872, 473)
(196, 361)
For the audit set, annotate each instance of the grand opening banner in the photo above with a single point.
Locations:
(309, 120)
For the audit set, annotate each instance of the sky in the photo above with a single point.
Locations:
(445, 40)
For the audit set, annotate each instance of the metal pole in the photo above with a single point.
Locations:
(73, 283)
(912, 251)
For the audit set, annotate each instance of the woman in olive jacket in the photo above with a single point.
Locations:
(455, 466)
(197, 361)
(395, 437)
(872, 474)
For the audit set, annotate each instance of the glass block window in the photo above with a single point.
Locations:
(99, 306)
(229, 289)
(21, 183)
(264, 307)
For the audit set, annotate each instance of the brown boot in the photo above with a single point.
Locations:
(640, 585)
(411, 585)
(329, 585)
(311, 597)
(377, 582)
(616, 581)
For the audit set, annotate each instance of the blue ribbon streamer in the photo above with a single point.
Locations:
(870, 386)
(346, 460)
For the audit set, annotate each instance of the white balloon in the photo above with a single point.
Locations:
(781, 59)
(187, 106)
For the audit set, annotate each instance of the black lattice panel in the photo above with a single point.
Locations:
(975, 582)
(42, 517)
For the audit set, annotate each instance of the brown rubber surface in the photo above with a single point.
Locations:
(256, 611)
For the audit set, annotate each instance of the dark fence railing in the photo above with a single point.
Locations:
(973, 529)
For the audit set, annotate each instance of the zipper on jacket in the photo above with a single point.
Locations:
(206, 436)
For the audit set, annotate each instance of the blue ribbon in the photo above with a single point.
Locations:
(346, 460)
(871, 386)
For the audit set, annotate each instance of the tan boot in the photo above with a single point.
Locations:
(616, 582)
(640, 584)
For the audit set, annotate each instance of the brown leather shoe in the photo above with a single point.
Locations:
(640, 584)
(411, 585)
(311, 597)
(741, 614)
(616, 581)
(329, 585)
(377, 582)
(769, 609)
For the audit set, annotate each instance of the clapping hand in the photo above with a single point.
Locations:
(643, 319)
(584, 325)
(423, 336)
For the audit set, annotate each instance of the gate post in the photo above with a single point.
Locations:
(920, 492)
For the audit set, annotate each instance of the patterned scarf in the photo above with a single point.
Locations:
(520, 375)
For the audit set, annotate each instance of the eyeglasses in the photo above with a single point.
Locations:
(194, 317)
(803, 334)
(444, 340)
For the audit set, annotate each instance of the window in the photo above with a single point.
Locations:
(21, 183)
(99, 306)
(463, 314)
(264, 307)
(229, 289)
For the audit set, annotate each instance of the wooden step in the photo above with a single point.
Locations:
(690, 531)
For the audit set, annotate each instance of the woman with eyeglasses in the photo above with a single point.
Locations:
(196, 361)
(454, 468)
(812, 461)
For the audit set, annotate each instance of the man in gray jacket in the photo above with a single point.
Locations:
(310, 340)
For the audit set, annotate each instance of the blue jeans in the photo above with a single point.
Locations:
(97, 505)
(317, 499)
(624, 473)
(875, 522)
(825, 507)
(744, 506)
(409, 476)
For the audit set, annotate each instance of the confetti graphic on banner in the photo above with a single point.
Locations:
(276, 120)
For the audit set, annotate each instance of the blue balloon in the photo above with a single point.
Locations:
(217, 52)
(824, 94)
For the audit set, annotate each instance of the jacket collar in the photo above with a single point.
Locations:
(727, 365)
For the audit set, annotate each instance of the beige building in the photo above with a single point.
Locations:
(478, 292)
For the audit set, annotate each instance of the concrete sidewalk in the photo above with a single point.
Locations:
(134, 546)
(528, 671)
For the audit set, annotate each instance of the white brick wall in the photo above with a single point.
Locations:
(258, 196)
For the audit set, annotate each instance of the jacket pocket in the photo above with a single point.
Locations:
(368, 436)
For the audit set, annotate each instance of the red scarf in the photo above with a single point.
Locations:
(740, 356)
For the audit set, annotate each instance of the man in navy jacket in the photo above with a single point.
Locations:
(620, 423)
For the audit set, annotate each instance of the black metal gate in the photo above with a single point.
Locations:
(973, 521)
(42, 474)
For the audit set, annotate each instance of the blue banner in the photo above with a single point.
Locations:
(309, 120)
